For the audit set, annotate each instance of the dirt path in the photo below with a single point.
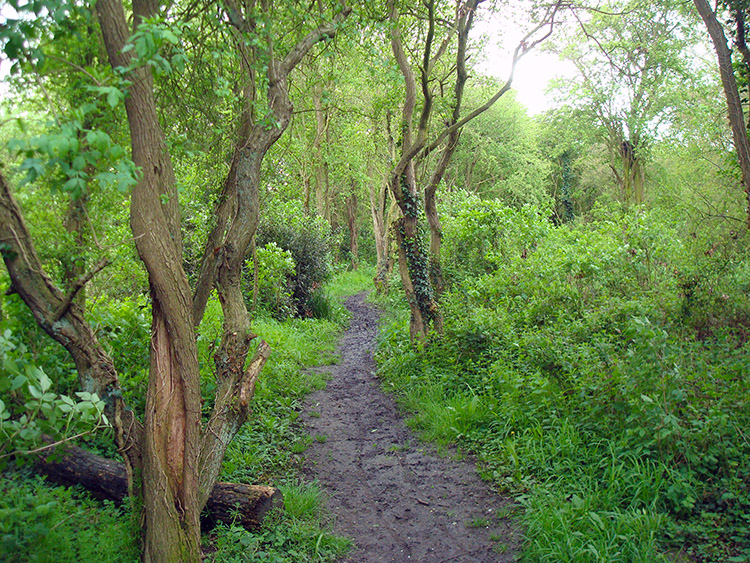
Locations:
(393, 495)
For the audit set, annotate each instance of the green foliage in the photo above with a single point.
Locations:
(287, 537)
(276, 270)
(44, 524)
(499, 155)
(480, 235)
(308, 240)
(29, 406)
(602, 376)
(124, 329)
(20, 36)
(70, 152)
(153, 38)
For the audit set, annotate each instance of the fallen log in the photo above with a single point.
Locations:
(105, 479)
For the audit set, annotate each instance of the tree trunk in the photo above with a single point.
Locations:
(173, 409)
(436, 236)
(106, 479)
(382, 212)
(414, 264)
(351, 219)
(321, 166)
(75, 266)
(381, 221)
(731, 93)
(566, 182)
(62, 319)
(413, 260)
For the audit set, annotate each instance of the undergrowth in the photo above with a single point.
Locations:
(599, 372)
(43, 523)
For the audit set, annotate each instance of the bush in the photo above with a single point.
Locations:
(602, 376)
(308, 240)
(49, 525)
(480, 235)
(276, 271)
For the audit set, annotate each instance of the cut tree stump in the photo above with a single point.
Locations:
(105, 479)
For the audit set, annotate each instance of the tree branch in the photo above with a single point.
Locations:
(524, 46)
(326, 31)
(78, 285)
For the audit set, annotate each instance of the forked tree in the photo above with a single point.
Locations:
(174, 457)
(419, 136)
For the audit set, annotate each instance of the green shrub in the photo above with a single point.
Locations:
(29, 406)
(590, 378)
(308, 240)
(483, 234)
(276, 271)
(44, 524)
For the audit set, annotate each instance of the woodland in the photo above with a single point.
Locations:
(189, 188)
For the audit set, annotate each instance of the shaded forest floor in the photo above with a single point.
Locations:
(397, 498)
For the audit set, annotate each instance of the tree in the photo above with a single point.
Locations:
(420, 269)
(498, 155)
(729, 83)
(176, 456)
(626, 79)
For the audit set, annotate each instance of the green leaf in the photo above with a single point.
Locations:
(113, 97)
(64, 399)
(79, 163)
(76, 186)
(18, 382)
(35, 392)
(44, 382)
(171, 37)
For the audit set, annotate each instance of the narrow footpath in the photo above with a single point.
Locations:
(393, 495)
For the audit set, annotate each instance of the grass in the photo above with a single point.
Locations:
(47, 524)
(611, 406)
(350, 282)
(288, 536)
